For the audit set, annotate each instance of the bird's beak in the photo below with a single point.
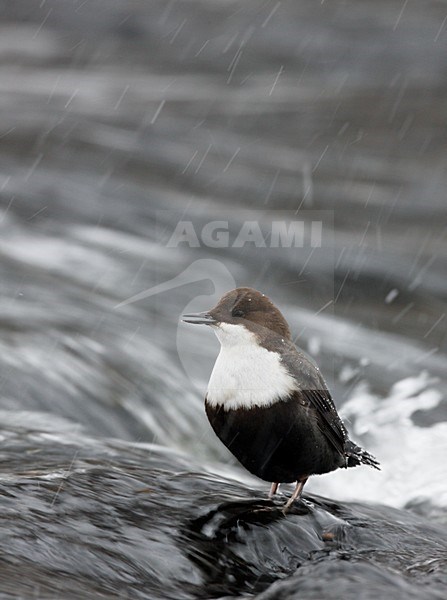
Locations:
(202, 318)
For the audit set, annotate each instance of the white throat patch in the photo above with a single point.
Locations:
(246, 374)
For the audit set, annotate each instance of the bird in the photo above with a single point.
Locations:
(266, 399)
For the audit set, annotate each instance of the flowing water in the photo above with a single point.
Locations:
(120, 120)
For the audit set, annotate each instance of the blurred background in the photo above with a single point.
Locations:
(121, 118)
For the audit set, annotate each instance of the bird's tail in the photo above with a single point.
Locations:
(357, 456)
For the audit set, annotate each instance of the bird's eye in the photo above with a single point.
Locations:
(237, 313)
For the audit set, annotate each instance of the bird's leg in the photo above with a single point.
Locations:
(296, 493)
(273, 489)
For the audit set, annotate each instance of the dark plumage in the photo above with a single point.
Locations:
(285, 433)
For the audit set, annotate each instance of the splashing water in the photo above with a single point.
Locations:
(412, 456)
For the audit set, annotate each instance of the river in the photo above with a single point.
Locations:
(152, 156)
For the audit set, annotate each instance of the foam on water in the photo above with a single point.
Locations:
(413, 458)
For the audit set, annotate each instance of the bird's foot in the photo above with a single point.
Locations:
(273, 489)
(296, 494)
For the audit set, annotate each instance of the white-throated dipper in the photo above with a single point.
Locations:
(267, 401)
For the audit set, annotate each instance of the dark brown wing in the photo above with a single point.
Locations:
(313, 390)
(328, 421)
